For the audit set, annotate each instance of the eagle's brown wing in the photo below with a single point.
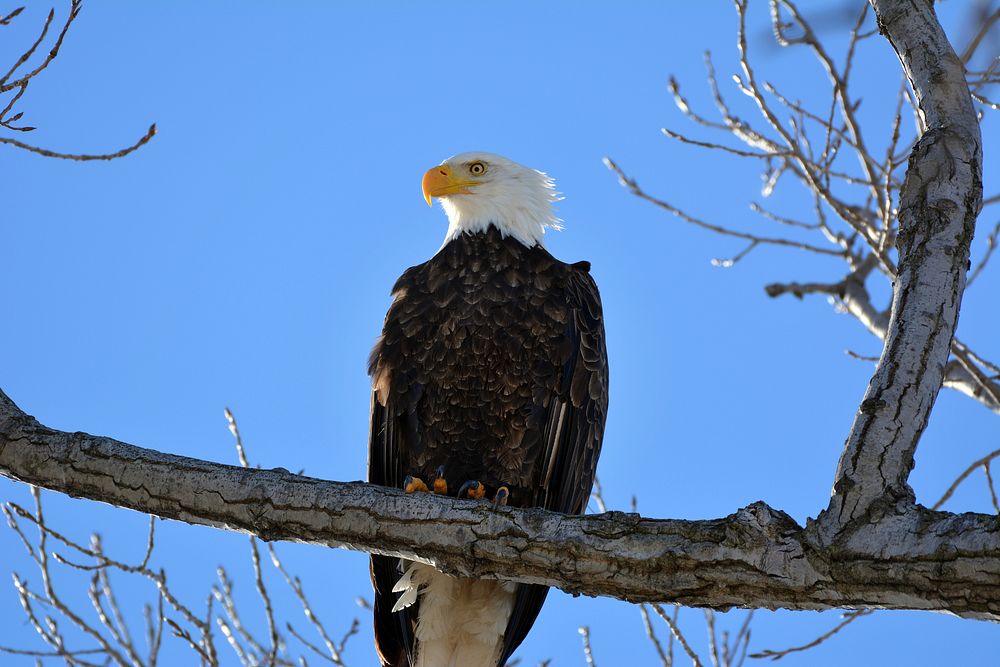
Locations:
(393, 632)
(393, 432)
(572, 428)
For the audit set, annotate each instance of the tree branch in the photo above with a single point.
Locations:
(756, 557)
(939, 202)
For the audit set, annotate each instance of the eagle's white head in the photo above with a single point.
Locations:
(479, 189)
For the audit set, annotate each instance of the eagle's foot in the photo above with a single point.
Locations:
(440, 484)
(472, 490)
(414, 485)
(500, 499)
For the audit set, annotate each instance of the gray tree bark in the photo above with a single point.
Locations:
(757, 557)
(873, 547)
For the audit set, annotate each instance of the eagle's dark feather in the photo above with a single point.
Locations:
(491, 363)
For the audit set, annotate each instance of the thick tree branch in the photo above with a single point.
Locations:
(939, 202)
(756, 557)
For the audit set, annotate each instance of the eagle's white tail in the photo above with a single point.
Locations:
(461, 621)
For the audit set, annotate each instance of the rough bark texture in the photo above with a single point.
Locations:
(757, 557)
(872, 548)
(939, 202)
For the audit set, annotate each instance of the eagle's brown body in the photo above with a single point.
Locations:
(492, 364)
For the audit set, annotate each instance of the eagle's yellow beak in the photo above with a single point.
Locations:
(440, 181)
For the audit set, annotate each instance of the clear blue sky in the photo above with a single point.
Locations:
(244, 258)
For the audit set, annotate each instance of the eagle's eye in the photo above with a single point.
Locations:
(477, 168)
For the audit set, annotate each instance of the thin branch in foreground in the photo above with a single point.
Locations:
(991, 245)
(713, 643)
(335, 650)
(743, 636)
(728, 263)
(272, 627)
(665, 660)
(8, 82)
(633, 186)
(7, 19)
(676, 632)
(849, 618)
(774, 217)
(588, 653)
(235, 430)
(984, 29)
(83, 157)
(989, 485)
(296, 585)
(234, 628)
(965, 473)
(597, 495)
(861, 357)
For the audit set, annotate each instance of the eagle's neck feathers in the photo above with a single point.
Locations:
(519, 207)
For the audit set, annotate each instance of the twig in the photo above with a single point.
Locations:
(651, 633)
(727, 149)
(235, 430)
(598, 496)
(7, 19)
(984, 29)
(860, 357)
(760, 210)
(224, 595)
(991, 245)
(675, 631)
(730, 262)
(633, 186)
(965, 473)
(742, 636)
(588, 654)
(989, 485)
(849, 618)
(268, 610)
(713, 644)
(83, 157)
(50, 593)
(296, 587)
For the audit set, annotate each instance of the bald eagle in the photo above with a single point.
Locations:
(490, 377)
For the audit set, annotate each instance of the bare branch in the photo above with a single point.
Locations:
(730, 262)
(849, 618)
(713, 645)
(83, 157)
(588, 654)
(296, 586)
(676, 632)
(984, 461)
(666, 661)
(992, 489)
(991, 244)
(984, 29)
(10, 81)
(7, 19)
(615, 554)
(631, 184)
(760, 210)
(707, 144)
(235, 430)
(946, 166)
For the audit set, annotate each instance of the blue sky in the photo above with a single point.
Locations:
(244, 258)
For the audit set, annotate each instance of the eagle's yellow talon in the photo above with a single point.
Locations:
(414, 484)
